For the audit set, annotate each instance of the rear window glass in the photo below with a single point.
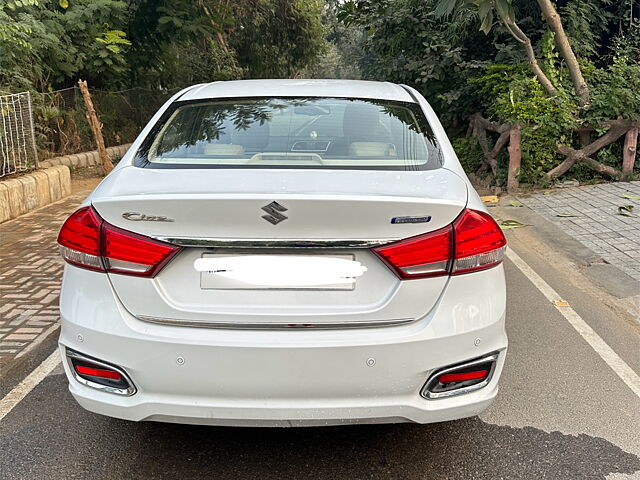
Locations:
(329, 133)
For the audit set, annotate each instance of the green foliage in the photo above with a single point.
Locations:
(461, 55)
(154, 43)
(56, 44)
(406, 42)
(469, 153)
(616, 87)
(342, 50)
(512, 95)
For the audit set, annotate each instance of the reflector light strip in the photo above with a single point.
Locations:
(98, 372)
(461, 377)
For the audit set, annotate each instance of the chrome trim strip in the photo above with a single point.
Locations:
(276, 325)
(271, 243)
(493, 358)
(105, 388)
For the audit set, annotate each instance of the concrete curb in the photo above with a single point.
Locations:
(607, 277)
(33, 190)
(84, 159)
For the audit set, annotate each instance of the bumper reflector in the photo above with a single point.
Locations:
(97, 374)
(459, 379)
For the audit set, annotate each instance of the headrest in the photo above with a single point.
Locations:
(361, 121)
(223, 149)
(253, 139)
(369, 149)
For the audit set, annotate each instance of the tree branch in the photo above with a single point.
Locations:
(519, 35)
(562, 42)
(617, 128)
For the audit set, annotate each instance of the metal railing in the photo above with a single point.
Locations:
(18, 150)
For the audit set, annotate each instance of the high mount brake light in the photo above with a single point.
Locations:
(473, 242)
(87, 241)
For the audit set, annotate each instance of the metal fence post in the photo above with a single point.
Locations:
(33, 132)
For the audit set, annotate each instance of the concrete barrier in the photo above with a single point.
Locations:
(33, 190)
(85, 159)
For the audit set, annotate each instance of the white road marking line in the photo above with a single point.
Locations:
(617, 364)
(39, 339)
(21, 390)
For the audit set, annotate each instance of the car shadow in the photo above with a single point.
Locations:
(468, 448)
(48, 436)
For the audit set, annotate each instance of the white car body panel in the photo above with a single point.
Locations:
(346, 369)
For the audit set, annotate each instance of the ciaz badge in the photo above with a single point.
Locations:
(141, 217)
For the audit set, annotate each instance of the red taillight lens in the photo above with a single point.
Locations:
(134, 254)
(79, 239)
(89, 242)
(473, 242)
(423, 256)
(480, 243)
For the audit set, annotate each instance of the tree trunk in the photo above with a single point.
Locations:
(515, 158)
(562, 42)
(630, 150)
(96, 128)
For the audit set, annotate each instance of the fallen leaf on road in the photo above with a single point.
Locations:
(565, 215)
(515, 203)
(625, 210)
(561, 303)
(490, 199)
(507, 224)
(631, 197)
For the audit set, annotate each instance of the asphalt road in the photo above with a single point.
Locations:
(562, 412)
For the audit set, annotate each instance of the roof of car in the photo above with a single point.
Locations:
(299, 88)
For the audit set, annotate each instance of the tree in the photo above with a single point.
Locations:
(461, 55)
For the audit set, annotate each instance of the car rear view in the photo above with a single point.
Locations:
(285, 252)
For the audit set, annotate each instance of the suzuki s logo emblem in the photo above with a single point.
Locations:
(274, 216)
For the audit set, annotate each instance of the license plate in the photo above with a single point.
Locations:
(278, 271)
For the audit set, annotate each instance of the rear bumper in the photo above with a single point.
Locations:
(284, 378)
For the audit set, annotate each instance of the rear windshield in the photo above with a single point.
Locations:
(331, 133)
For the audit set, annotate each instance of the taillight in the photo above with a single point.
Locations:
(87, 241)
(79, 239)
(427, 255)
(132, 254)
(473, 242)
(480, 243)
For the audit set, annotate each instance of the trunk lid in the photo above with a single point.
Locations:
(219, 212)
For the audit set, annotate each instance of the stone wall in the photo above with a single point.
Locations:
(85, 159)
(33, 190)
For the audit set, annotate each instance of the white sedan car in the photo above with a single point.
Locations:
(285, 252)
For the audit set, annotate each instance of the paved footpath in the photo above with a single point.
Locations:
(30, 274)
(590, 215)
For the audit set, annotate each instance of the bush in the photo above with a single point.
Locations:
(469, 153)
